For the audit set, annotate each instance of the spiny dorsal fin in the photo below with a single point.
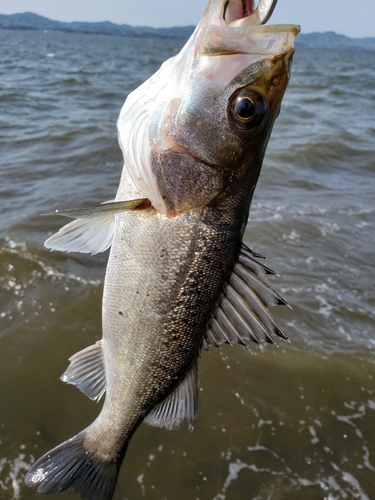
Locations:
(246, 257)
(87, 371)
(247, 251)
(267, 295)
(93, 230)
(242, 313)
(180, 405)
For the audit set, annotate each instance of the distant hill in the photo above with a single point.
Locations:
(330, 39)
(30, 21)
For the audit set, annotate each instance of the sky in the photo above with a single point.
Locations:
(352, 18)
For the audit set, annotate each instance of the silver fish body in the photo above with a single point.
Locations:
(178, 278)
(173, 272)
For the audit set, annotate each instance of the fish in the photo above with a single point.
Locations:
(179, 279)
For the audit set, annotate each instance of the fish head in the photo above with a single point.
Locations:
(200, 126)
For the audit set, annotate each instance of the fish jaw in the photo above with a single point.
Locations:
(202, 151)
(175, 133)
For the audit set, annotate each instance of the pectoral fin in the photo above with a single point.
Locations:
(180, 405)
(84, 236)
(243, 312)
(92, 231)
(87, 371)
(106, 208)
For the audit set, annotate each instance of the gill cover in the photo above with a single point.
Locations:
(174, 130)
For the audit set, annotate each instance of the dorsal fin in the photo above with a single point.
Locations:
(242, 314)
(247, 258)
(245, 250)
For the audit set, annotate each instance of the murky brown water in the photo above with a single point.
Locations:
(282, 423)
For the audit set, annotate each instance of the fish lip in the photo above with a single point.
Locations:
(294, 29)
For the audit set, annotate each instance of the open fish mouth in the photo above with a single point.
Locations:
(238, 10)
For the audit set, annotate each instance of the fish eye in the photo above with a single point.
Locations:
(244, 108)
(247, 109)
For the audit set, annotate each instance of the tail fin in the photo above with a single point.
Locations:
(69, 465)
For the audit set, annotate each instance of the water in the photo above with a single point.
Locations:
(275, 424)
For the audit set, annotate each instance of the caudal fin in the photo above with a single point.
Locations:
(69, 465)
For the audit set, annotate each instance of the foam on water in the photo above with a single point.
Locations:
(12, 473)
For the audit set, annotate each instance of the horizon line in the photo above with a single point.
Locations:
(165, 27)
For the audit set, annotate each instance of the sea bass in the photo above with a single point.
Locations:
(178, 279)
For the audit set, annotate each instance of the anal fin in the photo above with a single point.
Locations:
(181, 405)
(87, 371)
